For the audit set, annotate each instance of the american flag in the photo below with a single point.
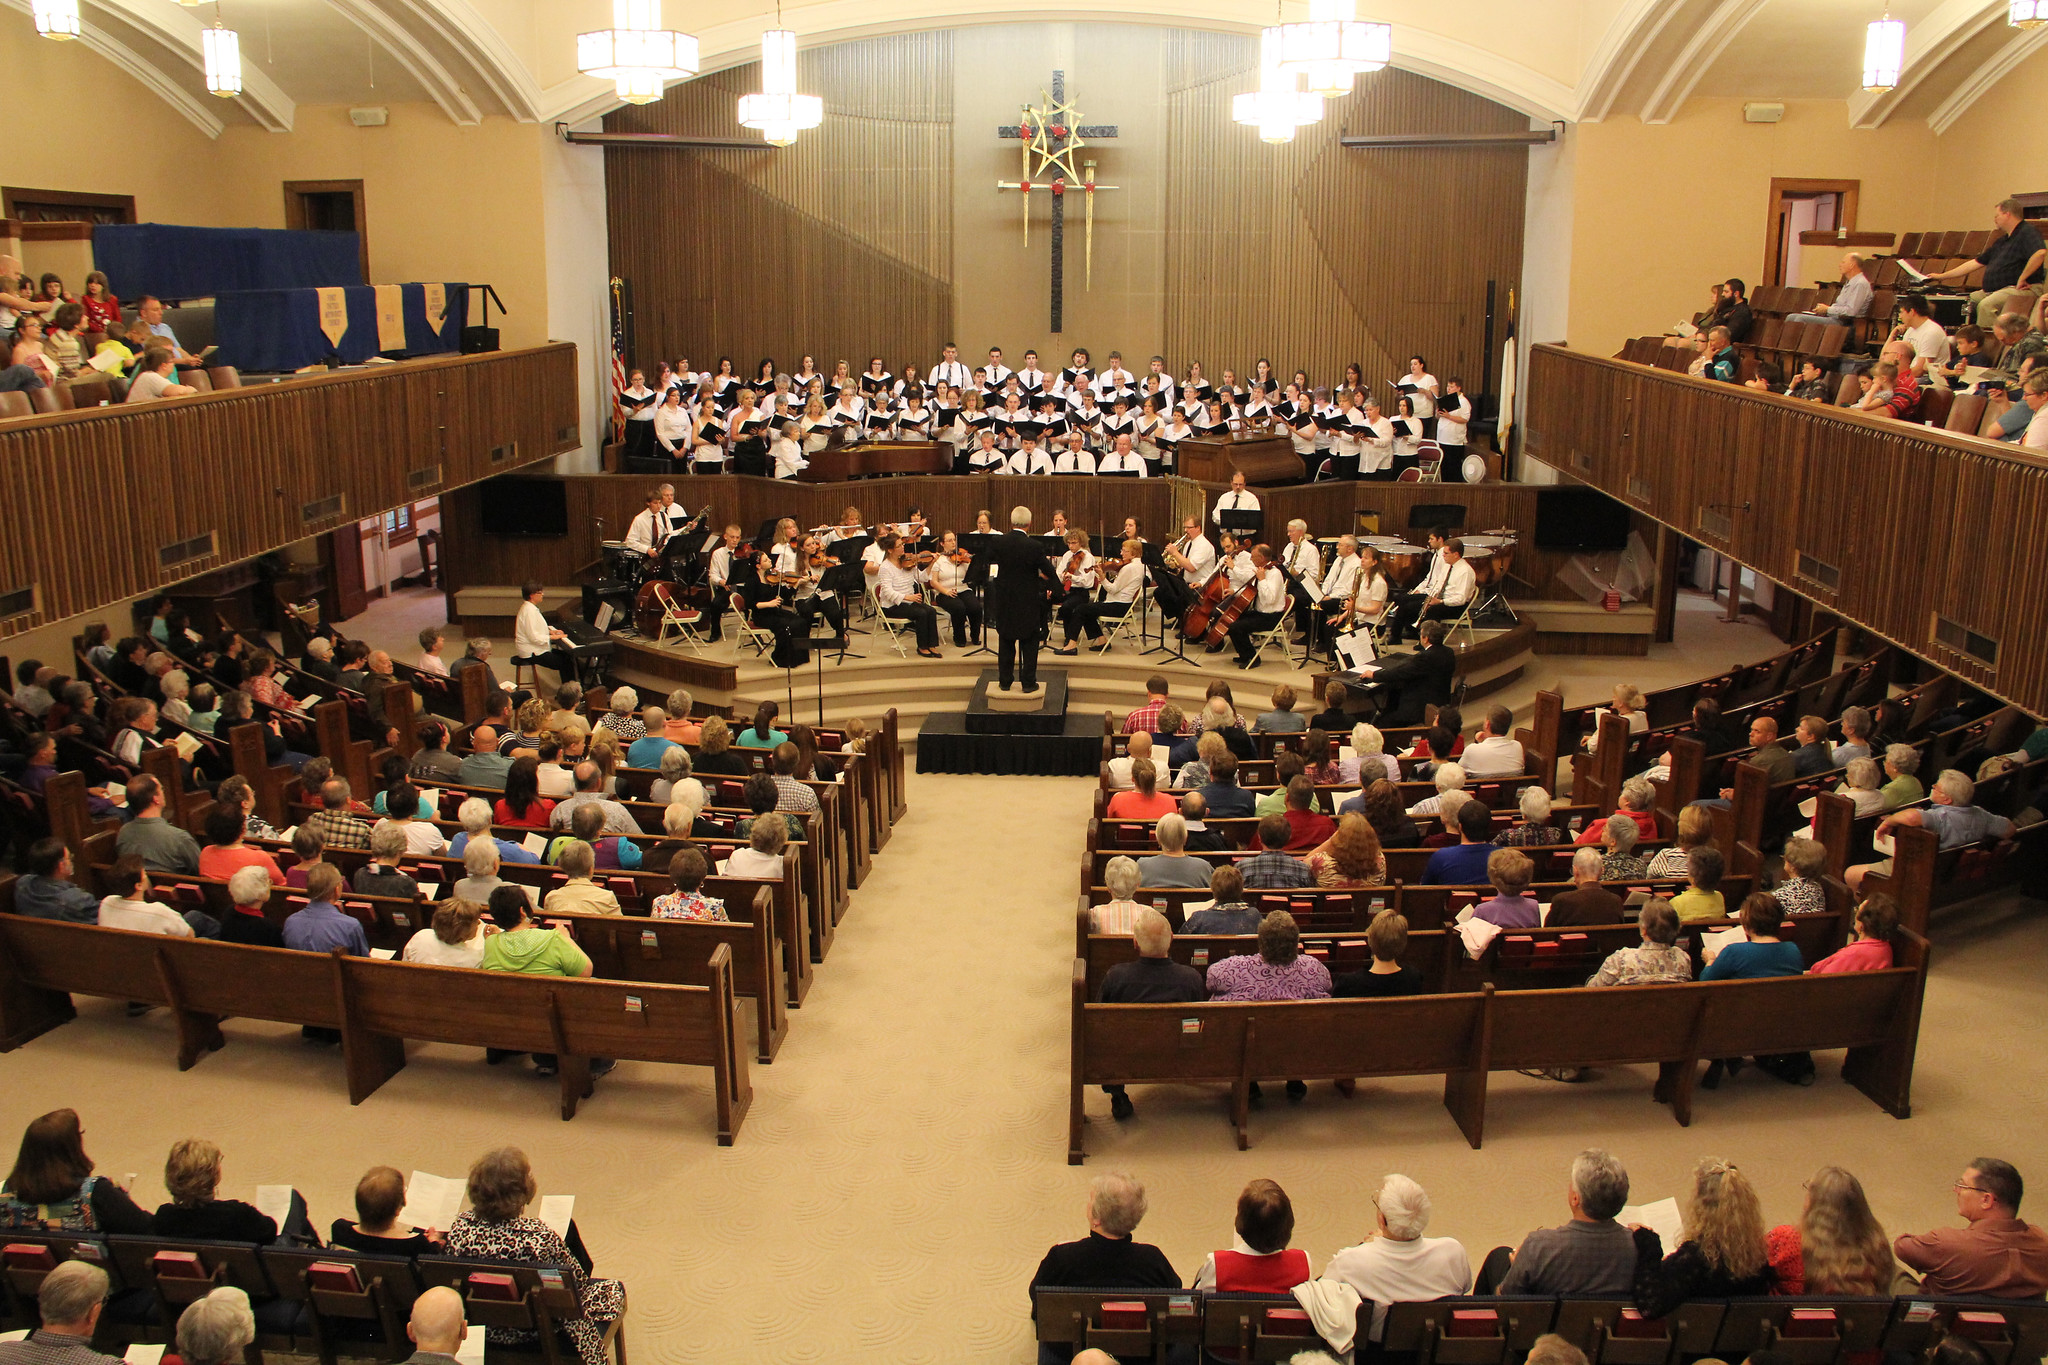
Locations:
(618, 363)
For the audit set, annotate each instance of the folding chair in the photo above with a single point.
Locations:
(678, 618)
(1278, 635)
(762, 640)
(1409, 476)
(1429, 457)
(891, 627)
(1129, 624)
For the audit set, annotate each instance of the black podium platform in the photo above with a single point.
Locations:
(1044, 741)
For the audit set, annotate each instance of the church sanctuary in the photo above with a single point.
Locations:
(1338, 683)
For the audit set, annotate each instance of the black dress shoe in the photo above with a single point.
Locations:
(1120, 1106)
(1297, 1090)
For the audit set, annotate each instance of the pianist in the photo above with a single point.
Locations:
(538, 643)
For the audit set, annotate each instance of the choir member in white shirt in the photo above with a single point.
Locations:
(1007, 419)
(1121, 460)
(1407, 429)
(1193, 557)
(1086, 417)
(911, 382)
(950, 371)
(1030, 379)
(1453, 414)
(1076, 570)
(1214, 423)
(985, 458)
(848, 414)
(1160, 373)
(1420, 385)
(1114, 380)
(1376, 442)
(671, 426)
(914, 423)
(1238, 499)
(787, 453)
(1172, 432)
(1118, 421)
(1075, 379)
(816, 426)
(1264, 381)
(875, 381)
(651, 529)
(1075, 457)
(1029, 459)
(898, 590)
(1268, 606)
(534, 641)
(1146, 429)
(1299, 414)
(805, 373)
(950, 593)
(995, 372)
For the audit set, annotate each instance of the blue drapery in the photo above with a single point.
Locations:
(279, 329)
(176, 262)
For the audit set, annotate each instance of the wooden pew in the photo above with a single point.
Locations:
(1875, 1016)
(376, 1006)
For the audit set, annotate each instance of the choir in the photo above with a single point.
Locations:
(1078, 420)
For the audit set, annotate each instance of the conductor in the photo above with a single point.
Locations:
(1015, 578)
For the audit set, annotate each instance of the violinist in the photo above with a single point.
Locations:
(898, 590)
(808, 603)
(1192, 556)
(766, 595)
(950, 593)
(1076, 570)
(1123, 578)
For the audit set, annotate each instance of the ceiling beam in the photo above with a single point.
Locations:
(398, 42)
(1633, 32)
(1701, 51)
(96, 39)
(2023, 44)
(485, 51)
(177, 30)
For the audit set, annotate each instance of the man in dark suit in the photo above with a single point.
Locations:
(1421, 680)
(1014, 599)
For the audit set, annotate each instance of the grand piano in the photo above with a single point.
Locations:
(835, 464)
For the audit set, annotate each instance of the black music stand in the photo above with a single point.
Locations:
(1155, 563)
(836, 581)
(1241, 522)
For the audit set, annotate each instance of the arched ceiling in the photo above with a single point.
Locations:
(1562, 59)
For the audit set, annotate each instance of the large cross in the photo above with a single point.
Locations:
(1048, 136)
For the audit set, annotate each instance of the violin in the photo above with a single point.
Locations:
(962, 556)
(821, 560)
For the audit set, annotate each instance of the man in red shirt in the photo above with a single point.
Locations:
(1996, 1254)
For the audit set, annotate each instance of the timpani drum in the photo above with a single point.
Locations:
(1403, 563)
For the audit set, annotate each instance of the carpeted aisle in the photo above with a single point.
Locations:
(904, 1164)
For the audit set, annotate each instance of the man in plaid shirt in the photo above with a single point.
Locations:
(1146, 717)
(1274, 870)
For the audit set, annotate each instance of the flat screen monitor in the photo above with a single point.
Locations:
(523, 507)
(1580, 520)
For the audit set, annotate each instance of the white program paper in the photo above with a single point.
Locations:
(536, 844)
(556, 1210)
(432, 1201)
(274, 1202)
(471, 1351)
(384, 954)
(142, 1353)
(1661, 1218)
(1714, 940)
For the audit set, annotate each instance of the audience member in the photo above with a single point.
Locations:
(1512, 907)
(1695, 830)
(1120, 914)
(1701, 899)
(1658, 961)
(1172, 866)
(1618, 834)
(590, 791)
(337, 828)
(1723, 1251)
(226, 853)
(1259, 1260)
(1464, 863)
(1387, 937)
(1108, 1258)
(1803, 892)
(69, 1302)
(161, 845)
(763, 855)
(218, 1329)
(1398, 1264)
(1535, 827)
(455, 938)
(402, 811)
(380, 1195)
(1154, 978)
(1587, 902)
(1448, 777)
(1836, 1247)
(1850, 303)
(1143, 800)
(1272, 868)
(127, 905)
(1351, 857)
(581, 893)
(1494, 752)
(1227, 912)
(44, 889)
(1870, 944)
(1145, 718)
(192, 1178)
(52, 1187)
(1589, 1255)
(321, 926)
(1280, 970)
(1953, 819)
(483, 766)
(687, 870)
(496, 1225)
(1282, 719)
(1995, 1254)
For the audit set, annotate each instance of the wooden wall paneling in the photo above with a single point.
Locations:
(1920, 523)
(1320, 255)
(840, 244)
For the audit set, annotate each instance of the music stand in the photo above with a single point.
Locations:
(1155, 565)
(1241, 522)
(836, 581)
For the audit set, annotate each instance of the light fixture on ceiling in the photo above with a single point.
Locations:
(1279, 106)
(57, 19)
(637, 54)
(2027, 13)
(223, 52)
(777, 110)
(1884, 53)
(1334, 45)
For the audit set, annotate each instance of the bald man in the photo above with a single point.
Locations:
(437, 1329)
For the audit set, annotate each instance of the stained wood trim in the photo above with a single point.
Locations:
(295, 210)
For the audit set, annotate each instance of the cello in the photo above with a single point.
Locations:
(1194, 622)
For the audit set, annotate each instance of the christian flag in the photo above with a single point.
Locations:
(618, 363)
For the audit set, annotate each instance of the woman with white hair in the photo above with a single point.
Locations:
(1902, 787)
(176, 686)
(1449, 777)
(215, 1330)
(1860, 785)
(1628, 704)
(1120, 914)
(675, 767)
(1398, 1264)
(621, 720)
(1618, 859)
(1535, 828)
(1372, 760)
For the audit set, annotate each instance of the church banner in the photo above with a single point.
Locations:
(390, 317)
(333, 312)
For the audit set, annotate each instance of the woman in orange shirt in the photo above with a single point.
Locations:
(1144, 801)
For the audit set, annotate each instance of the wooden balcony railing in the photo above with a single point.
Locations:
(1932, 539)
(105, 504)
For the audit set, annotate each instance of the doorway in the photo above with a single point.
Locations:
(1798, 206)
(329, 206)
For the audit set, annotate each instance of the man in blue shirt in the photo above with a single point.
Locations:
(1464, 864)
(1227, 800)
(1950, 815)
(45, 890)
(646, 751)
(321, 927)
(151, 312)
(475, 815)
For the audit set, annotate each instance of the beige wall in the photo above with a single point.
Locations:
(1660, 211)
(1982, 159)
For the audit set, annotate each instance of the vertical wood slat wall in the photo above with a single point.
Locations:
(840, 246)
(1315, 255)
(1921, 524)
(89, 498)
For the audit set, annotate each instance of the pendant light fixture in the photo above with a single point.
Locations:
(222, 51)
(637, 54)
(1279, 107)
(2027, 13)
(776, 109)
(57, 19)
(1884, 53)
(1333, 45)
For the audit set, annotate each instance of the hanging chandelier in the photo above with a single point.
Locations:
(1884, 53)
(222, 51)
(2027, 13)
(57, 19)
(1333, 45)
(1279, 106)
(776, 109)
(637, 54)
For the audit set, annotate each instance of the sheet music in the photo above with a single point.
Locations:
(141, 1353)
(471, 1351)
(1662, 1218)
(432, 1201)
(556, 1210)
(275, 1201)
